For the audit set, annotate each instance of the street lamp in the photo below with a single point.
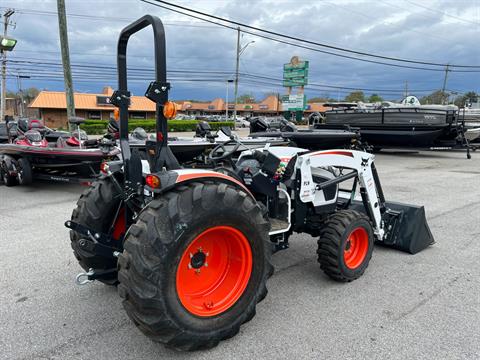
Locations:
(7, 43)
(226, 100)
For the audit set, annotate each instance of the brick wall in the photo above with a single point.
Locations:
(57, 118)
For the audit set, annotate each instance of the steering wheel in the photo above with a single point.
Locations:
(220, 152)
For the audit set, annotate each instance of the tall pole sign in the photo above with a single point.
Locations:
(295, 75)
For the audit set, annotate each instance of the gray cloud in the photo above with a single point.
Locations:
(388, 27)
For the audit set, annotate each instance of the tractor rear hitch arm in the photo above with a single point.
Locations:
(92, 275)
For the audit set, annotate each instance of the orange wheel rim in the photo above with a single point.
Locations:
(214, 271)
(356, 248)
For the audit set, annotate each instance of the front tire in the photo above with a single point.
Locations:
(195, 265)
(345, 245)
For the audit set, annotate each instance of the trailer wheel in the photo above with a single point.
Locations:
(25, 174)
(96, 209)
(8, 180)
(345, 245)
(195, 265)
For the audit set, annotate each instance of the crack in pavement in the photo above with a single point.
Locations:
(453, 210)
(427, 299)
(49, 353)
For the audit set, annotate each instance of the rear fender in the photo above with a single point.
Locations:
(172, 179)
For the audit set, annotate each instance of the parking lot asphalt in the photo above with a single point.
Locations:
(424, 306)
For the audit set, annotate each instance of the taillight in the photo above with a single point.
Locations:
(169, 110)
(104, 167)
(153, 181)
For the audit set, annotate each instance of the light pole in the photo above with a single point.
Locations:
(20, 90)
(6, 44)
(240, 50)
(226, 100)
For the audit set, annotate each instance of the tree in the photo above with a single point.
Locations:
(466, 98)
(375, 98)
(246, 99)
(355, 96)
(436, 97)
(28, 94)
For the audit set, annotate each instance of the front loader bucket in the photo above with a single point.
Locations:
(406, 227)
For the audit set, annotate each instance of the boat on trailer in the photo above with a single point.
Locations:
(408, 124)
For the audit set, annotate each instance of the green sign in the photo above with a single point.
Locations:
(295, 73)
(296, 65)
(295, 102)
(295, 82)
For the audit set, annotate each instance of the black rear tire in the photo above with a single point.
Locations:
(153, 249)
(334, 239)
(25, 173)
(96, 209)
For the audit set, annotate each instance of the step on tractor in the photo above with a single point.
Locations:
(190, 249)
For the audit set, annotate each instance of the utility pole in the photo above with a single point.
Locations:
(226, 100)
(236, 78)
(406, 88)
(20, 91)
(67, 71)
(6, 17)
(444, 84)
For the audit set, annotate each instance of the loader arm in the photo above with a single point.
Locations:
(361, 164)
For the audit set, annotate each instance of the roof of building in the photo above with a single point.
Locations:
(57, 100)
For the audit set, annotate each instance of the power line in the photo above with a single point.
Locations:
(100, 69)
(307, 47)
(95, 17)
(443, 13)
(28, 11)
(302, 40)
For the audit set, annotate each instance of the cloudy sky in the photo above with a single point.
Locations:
(426, 30)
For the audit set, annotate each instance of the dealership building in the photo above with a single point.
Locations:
(52, 107)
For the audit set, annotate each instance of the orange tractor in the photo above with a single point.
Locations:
(190, 249)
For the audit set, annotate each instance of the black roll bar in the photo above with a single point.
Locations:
(159, 154)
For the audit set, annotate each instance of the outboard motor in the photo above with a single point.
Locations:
(113, 128)
(258, 125)
(139, 134)
(203, 129)
(287, 126)
(227, 131)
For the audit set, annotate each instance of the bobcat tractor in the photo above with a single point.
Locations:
(190, 249)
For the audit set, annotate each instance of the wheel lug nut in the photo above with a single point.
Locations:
(208, 304)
